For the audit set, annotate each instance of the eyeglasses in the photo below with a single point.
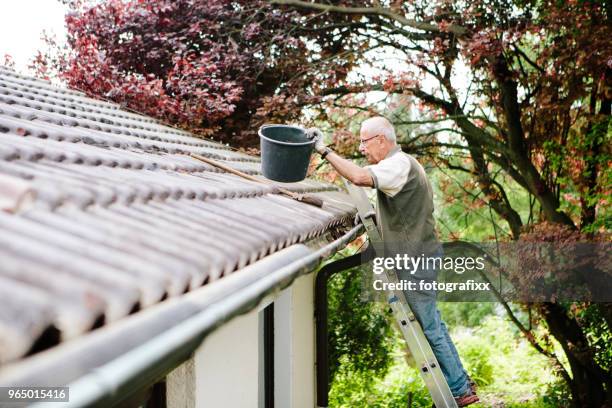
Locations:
(362, 142)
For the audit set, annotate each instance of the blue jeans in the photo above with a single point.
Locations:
(428, 315)
(423, 305)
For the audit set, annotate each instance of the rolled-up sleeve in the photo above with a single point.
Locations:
(390, 175)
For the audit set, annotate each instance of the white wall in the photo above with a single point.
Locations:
(226, 369)
(180, 386)
(223, 371)
(294, 345)
(227, 365)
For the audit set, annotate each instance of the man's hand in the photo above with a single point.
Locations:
(317, 135)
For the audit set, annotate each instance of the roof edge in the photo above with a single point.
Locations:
(107, 366)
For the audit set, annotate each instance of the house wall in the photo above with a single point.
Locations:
(180, 386)
(226, 370)
(294, 354)
(223, 371)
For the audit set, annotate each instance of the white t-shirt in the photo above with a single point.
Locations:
(391, 173)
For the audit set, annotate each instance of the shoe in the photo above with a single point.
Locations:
(466, 399)
(473, 385)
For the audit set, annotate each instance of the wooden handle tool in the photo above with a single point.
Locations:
(308, 199)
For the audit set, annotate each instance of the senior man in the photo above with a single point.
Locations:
(405, 217)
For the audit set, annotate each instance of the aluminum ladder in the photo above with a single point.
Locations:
(411, 329)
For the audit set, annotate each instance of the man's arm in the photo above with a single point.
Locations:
(355, 174)
(349, 170)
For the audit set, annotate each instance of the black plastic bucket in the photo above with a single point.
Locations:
(285, 152)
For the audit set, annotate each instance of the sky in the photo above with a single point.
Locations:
(21, 25)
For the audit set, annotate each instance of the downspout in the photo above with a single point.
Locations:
(321, 318)
(151, 344)
(268, 340)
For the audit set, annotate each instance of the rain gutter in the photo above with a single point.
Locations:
(108, 365)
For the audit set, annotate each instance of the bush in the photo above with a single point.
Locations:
(505, 365)
(476, 357)
(352, 389)
(360, 335)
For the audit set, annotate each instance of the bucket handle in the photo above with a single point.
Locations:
(265, 125)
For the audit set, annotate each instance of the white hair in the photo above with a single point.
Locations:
(379, 126)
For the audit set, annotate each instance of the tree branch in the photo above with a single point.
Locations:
(526, 58)
(372, 11)
(517, 147)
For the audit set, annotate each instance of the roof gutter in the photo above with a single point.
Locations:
(107, 366)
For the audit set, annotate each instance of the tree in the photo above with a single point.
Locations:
(537, 113)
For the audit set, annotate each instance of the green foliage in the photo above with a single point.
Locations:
(477, 361)
(503, 363)
(597, 332)
(584, 171)
(366, 389)
(467, 314)
(360, 335)
(462, 211)
(557, 395)
(506, 368)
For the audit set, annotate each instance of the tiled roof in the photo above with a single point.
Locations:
(105, 214)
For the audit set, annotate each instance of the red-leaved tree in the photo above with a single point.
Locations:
(212, 66)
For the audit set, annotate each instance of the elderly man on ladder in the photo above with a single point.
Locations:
(405, 218)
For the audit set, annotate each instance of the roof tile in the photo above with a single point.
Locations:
(123, 217)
